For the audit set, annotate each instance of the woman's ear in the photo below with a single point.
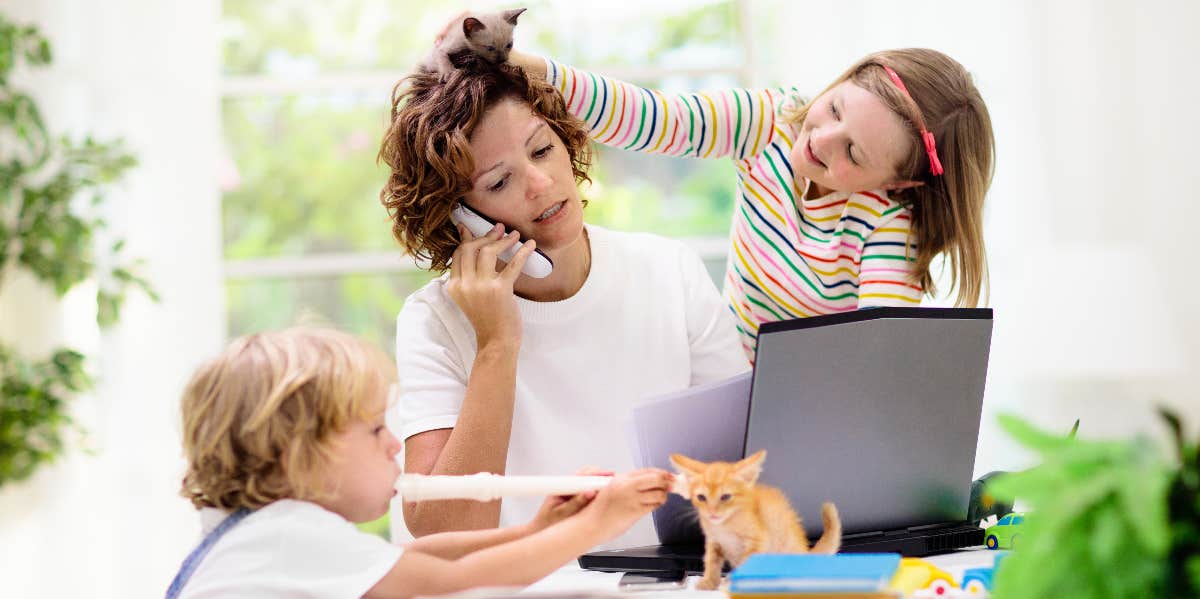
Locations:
(898, 185)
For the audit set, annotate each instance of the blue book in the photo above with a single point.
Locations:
(803, 572)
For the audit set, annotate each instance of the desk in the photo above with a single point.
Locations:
(572, 580)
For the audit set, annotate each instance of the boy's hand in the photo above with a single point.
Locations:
(560, 507)
(629, 497)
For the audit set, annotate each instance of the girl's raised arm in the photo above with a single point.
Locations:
(734, 123)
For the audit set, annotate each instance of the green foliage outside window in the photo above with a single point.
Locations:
(304, 179)
(306, 36)
(49, 189)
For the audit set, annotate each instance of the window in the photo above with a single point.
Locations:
(304, 103)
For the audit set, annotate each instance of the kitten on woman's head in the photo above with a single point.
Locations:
(740, 517)
(487, 35)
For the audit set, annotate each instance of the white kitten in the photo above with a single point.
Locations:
(488, 36)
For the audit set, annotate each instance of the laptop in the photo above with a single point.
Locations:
(876, 410)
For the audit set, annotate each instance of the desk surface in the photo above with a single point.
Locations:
(571, 580)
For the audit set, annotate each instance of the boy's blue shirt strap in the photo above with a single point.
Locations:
(197, 555)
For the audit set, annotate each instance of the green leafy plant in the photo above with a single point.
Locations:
(33, 412)
(50, 196)
(1108, 519)
(1183, 507)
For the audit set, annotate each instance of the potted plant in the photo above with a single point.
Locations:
(51, 194)
(1108, 518)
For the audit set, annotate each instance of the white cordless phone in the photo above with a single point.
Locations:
(538, 265)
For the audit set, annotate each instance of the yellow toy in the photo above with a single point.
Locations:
(919, 578)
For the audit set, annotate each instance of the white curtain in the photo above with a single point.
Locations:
(110, 523)
(1091, 217)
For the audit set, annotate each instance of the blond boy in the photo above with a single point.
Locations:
(287, 447)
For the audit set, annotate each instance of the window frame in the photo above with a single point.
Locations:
(339, 264)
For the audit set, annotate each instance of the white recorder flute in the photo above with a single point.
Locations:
(489, 487)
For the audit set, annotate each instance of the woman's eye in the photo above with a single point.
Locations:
(836, 114)
(543, 151)
(498, 185)
(850, 155)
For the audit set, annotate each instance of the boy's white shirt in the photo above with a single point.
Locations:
(290, 548)
(647, 321)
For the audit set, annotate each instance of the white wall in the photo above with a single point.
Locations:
(110, 524)
(1090, 218)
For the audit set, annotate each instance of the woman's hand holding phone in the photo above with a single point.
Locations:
(484, 293)
(538, 266)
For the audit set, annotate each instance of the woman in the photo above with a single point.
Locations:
(623, 316)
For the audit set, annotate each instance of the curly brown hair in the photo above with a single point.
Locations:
(258, 418)
(427, 147)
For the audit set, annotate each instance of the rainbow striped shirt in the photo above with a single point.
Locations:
(789, 256)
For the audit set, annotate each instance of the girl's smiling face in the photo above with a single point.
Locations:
(851, 141)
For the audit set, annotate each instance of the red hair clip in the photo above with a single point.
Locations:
(935, 165)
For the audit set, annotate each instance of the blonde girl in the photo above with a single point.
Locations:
(843, 202)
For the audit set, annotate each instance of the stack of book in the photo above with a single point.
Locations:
(807, 576)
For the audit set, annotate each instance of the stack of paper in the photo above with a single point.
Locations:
(847, 576)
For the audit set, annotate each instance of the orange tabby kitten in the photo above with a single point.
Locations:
(740, 518)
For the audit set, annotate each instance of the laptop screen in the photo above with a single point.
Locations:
(876, 410)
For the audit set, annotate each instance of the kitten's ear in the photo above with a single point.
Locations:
(682, 486)
(688, 469)
(511, 15)
(686, 465)
(748, 469)
(471, 26)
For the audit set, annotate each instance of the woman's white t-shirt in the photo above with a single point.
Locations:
(290, 548)
(647, 321)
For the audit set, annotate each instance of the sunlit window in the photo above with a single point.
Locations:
(304, 102)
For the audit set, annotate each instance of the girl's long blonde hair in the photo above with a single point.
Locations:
(947, 210)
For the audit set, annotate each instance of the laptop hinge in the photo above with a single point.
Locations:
(938, 525)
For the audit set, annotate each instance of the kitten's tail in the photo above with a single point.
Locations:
(831, 538)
